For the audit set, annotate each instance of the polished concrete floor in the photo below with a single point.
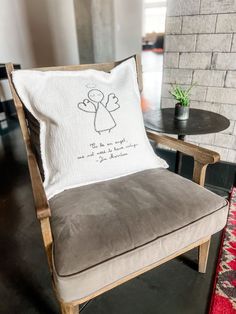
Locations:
(173, 288)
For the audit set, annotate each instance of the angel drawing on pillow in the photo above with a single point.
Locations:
(103, 119)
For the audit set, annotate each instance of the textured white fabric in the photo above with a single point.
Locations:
(91, 125)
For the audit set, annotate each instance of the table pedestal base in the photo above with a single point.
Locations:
(179, 157)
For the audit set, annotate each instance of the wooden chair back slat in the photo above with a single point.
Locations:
(18, 104)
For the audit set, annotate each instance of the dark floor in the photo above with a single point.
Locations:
(175, 287)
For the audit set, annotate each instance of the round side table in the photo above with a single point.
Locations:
(199, 122)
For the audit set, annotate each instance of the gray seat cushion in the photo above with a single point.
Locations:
(98, 222)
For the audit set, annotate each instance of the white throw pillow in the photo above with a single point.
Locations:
(91, 124)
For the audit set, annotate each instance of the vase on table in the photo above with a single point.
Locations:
(181, 112)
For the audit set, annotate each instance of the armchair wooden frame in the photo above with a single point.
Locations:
(202, 157)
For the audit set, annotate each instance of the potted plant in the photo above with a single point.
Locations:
(183, 101)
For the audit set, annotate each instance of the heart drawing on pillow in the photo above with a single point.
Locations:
(103, 119)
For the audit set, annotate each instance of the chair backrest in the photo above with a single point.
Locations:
(29, 125)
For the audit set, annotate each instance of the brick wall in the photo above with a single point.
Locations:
(200, 46)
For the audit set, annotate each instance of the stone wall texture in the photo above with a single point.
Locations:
(200, 46)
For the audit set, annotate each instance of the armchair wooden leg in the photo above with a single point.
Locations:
(69, 308)
(203, 251)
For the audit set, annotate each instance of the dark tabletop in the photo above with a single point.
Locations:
(199, 122)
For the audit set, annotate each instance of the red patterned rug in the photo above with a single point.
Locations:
(224, 294)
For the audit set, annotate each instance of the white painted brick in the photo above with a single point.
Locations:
(217, 6)
(203, 139)
(221, 95)
(195, 60)
(230, 129)
(198, 24)
(179, 76)
(234, 131)
(173, 25)
(231, 156)
(225, 140)
(214, 42)
(180, 43)
(165, 90)
(205, 106)
(230, 80)
(168, 102)
(229, 111)
(224, 61)
(198, 93)
(209, 77)
(233, 48)
(222, 151)
(180, 7)
(189, 141)
(226, 23)
(212, 65)
(171, 60)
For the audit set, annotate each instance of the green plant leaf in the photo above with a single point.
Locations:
(181, 95)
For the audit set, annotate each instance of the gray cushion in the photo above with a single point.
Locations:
(81, 285)
(98, 222)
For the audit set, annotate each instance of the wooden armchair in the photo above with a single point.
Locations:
(177, 242)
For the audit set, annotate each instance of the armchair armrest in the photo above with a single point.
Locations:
(202, 156)
(40, 199)
(43, 211)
